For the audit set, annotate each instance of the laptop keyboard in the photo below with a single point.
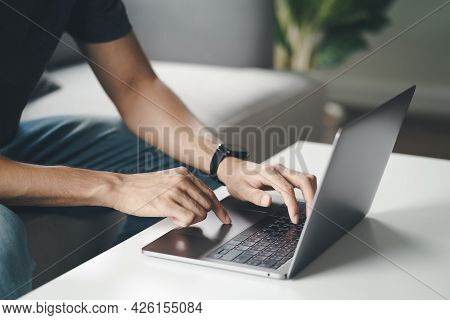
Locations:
(270, 243)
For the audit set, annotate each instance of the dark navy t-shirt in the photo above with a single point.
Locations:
(29, 33)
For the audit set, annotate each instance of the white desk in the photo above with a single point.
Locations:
(409, 223)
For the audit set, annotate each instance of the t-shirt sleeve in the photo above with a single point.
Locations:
(94, 21)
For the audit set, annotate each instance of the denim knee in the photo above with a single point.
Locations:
(16, 265)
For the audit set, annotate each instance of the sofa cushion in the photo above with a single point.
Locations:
(216, 95)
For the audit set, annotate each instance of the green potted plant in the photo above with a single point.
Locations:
(322, 33)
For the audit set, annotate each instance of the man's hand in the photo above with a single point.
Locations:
(247, 180)
(173, 193)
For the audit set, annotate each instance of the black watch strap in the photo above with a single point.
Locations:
(221, 153)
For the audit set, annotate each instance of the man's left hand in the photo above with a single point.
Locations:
(246, 181)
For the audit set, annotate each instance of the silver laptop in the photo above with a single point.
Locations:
(262, 241)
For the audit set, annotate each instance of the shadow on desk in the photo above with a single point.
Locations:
(372, 237)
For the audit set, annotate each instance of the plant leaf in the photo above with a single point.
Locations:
(336, 46)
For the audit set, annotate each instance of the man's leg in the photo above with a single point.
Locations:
(97, 144)
(16, 266)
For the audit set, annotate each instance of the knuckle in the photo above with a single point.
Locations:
(185, 224)
(182, 170)
(268, 169)
(177, 178)
(287, 188)
(203, 214)
(207, 204)
(168, 196)
(196, 207)
(200, 183)
(210, 193)
(176, 190)
(303, 178)
(191, 218)
(173, 171)
(175, 193)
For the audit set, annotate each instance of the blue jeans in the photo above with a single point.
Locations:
(96, 144)
(16, 265)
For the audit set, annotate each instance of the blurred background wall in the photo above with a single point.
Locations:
(420, 56)
(230, 33)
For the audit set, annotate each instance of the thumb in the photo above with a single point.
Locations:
(255, 196)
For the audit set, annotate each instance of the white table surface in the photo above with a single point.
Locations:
(408, 225)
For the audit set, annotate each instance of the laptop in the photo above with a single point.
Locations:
(263, 241)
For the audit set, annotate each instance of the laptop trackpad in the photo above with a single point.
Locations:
(188, 242)
(195, 241)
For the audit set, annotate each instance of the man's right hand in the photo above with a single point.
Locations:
(173, 193)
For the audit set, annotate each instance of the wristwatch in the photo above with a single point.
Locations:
(223, 151)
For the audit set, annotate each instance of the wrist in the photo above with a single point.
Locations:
(224, 159)
(226, 168)
(106, 189)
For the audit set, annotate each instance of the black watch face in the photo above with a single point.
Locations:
(236, 150)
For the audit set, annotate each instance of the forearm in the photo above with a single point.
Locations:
(148, 107)
(161, 119)
(25, 184)
(146, 194)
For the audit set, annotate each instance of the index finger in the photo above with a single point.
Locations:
(277, 181)
(217, 206)
(306, 185)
